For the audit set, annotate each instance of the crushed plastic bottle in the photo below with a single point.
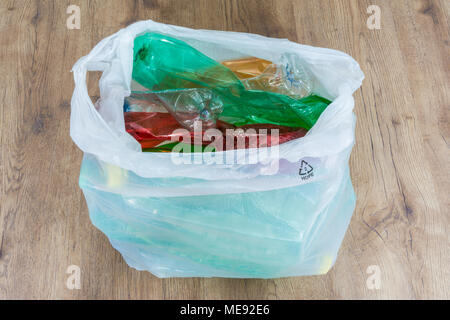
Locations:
(287, 77)
(245, 68)
(162, 63)
(252, 107)
(191, 105)
(143, 102)
(187, 105)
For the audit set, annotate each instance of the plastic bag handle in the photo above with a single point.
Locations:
(84, 116)
(96, 60)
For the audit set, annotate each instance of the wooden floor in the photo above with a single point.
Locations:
(400, 165)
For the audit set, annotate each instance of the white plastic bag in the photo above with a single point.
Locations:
(210, 219)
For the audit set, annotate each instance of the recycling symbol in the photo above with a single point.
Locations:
(305, 168)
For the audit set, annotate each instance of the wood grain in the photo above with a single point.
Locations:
(400, 165)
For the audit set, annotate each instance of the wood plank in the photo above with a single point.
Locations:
(399, 166)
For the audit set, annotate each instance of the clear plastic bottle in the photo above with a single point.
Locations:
(287, 77)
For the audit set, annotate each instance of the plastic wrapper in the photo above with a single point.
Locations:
(162, 63)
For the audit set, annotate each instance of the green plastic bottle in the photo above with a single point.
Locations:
(163, 63)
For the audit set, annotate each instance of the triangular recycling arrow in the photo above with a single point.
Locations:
(305, 168)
